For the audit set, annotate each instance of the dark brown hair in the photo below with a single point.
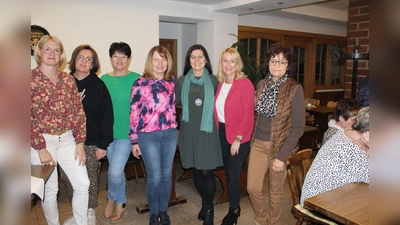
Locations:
(95, 64)
(287, 53)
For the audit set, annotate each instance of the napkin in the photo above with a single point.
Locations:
(37, 187)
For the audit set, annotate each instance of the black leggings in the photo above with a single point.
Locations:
(205, 183)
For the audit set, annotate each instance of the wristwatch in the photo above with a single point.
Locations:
(238, 139)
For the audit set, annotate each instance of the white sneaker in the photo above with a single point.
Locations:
(69, 221)
(91, 217)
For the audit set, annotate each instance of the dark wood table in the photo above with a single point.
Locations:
(321, 114)
(42, 171)
(347, 204)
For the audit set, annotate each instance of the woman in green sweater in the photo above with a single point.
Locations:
(119, 84)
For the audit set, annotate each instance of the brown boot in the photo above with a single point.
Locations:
(109, 209)
(119, 209)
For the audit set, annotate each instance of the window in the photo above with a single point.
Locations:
(300, 55)
(257, 49)
(327, 71)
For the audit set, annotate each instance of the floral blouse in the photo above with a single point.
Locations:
(55, 107)
(152, 106)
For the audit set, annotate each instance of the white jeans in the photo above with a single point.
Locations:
(62, 148)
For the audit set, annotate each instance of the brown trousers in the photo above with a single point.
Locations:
(260, 164)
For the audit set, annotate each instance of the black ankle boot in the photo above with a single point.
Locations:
(209, 216)
(232, 217)
(164, 218)
(154, 219)
(202, 212)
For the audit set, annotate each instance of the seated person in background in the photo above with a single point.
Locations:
(343, 117)
(342, 160)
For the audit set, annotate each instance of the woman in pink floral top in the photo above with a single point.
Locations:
(153, 129)
(58, 128)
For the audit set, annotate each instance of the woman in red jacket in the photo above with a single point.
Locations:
(234, 111)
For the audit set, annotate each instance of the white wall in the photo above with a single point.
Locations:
(136, 22)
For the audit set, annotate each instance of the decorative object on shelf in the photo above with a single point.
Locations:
(338, 55)
(37, 32)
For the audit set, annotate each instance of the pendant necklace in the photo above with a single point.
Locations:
(198, 101)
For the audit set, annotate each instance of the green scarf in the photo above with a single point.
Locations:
(208, 107)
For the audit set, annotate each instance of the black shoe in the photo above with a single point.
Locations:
(154, 219)
(209, 217)
(202, 212)
(232, 217)
(164, 218)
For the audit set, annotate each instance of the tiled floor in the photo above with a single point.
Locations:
(181, 214)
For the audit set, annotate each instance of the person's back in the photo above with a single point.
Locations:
(338, 162)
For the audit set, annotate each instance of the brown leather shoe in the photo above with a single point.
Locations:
(109, 209)
(119, 209)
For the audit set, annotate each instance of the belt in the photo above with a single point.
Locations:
(58, 132)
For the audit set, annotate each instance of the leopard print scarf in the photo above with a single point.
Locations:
(268, 100)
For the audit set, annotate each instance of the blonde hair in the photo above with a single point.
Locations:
(239, 65)
(148, 67)
(40, 44)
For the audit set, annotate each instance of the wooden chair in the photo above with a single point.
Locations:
(332, 104)
(297, 168)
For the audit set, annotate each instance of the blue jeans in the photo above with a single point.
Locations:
(158, 152)
(117, 153)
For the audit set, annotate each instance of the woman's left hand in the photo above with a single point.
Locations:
(278, 166)
(235, 148)
(100, 153)
(80, 152)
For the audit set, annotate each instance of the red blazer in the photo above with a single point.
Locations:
(239, 110)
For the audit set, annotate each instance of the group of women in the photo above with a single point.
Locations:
(79, 118)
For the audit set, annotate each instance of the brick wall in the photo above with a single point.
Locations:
(357, 30)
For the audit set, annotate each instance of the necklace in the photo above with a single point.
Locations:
(118, 78)
(198, 101)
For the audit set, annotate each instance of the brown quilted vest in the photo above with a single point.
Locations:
(282, 122)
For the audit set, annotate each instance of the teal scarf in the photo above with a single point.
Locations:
(208, 107)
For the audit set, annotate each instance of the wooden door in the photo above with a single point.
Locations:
(171, 45)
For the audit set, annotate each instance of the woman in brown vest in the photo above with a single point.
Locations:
(279, 125)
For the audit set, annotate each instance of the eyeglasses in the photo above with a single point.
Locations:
(82, 58)
(123, 57)
(273, 62)
(199, 57)
(49, 50)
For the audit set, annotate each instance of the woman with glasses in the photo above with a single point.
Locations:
(234, 111)
(153, 129)
(97, 104)
(279, 125)
(119, 83)
(198, 137)
(58, 129)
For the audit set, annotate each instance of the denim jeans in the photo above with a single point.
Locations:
(117, 154)
(62, 149)
(158, 152)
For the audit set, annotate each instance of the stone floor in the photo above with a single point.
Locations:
(181, 214)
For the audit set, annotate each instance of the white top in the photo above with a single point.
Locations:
(220, 103)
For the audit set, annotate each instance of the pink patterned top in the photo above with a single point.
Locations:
(152, 106)
(55, 107)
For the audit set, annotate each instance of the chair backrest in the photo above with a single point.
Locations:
(331, 104)
(297, 168)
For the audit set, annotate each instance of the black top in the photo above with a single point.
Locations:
(97, 104)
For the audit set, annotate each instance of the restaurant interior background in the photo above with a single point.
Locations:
(214, 24)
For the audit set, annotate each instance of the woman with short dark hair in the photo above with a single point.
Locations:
(119, 83)
(279, 125)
